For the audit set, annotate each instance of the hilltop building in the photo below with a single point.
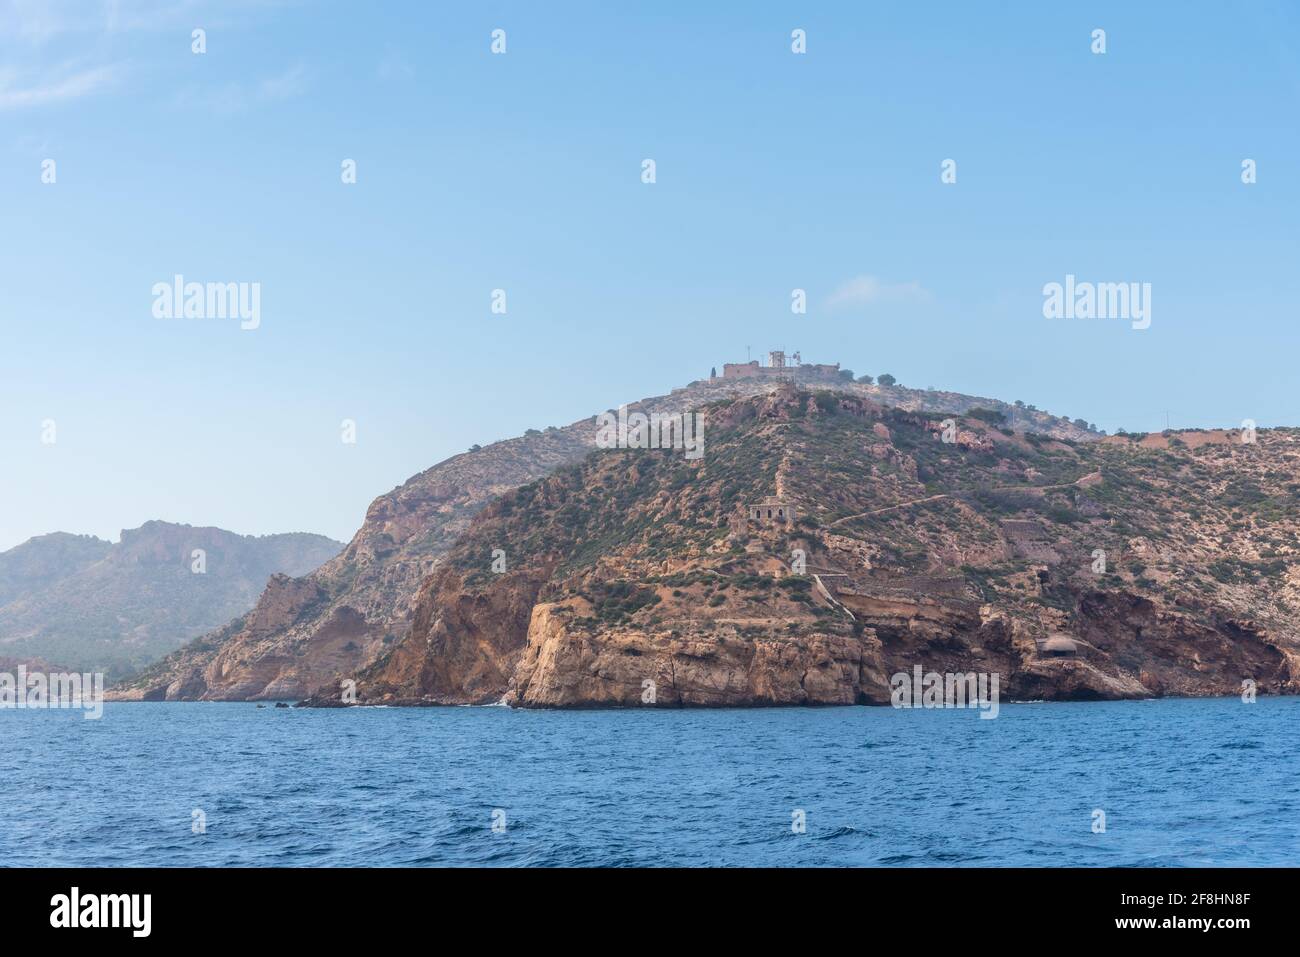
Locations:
(780, 365)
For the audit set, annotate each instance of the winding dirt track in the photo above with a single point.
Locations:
(935, 498)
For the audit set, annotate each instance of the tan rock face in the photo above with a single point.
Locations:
(465, 644)
(635, 573)
(312, 631)
(917, 613)
(363, 602)
(638, 579)
(564, 669)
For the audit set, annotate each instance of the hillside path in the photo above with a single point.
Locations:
(935, 498)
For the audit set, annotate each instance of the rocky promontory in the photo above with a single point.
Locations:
(827, 541)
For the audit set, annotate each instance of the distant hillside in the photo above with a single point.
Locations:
(45, 559)
(1074, 570)
(80, 602)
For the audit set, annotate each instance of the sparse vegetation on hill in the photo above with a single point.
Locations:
(635, 565)
(304, 633)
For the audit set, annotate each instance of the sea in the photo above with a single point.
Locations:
(1173, 782)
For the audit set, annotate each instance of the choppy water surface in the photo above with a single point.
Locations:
(1181, 782)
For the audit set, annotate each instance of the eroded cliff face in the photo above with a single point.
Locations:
(1072, 570)
(303, 632)
(563, 668)
(358, 607)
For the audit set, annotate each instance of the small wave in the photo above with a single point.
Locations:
(841, 831)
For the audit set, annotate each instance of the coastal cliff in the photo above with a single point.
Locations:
(826, 541)
(309, 632)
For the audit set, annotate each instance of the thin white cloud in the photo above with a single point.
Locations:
(871, 290)
(239, 97)
(36, 21)
(17, 93)
(39, 21)
(37, 35)
(292, 82)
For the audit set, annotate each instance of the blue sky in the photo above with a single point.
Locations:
(522, 171)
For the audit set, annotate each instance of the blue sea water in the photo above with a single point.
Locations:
(1181, 783)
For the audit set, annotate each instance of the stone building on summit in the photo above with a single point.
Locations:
(780, 366)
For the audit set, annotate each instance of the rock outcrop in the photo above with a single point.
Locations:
(638, 577)
(364, 601)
